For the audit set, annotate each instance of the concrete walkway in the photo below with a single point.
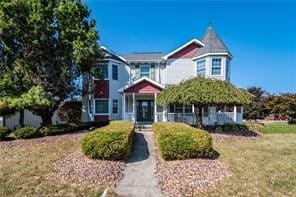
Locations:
(139, 179)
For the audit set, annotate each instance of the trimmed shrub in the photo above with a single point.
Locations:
(4, 132)
(112, 142)
(181, 141)
(27, 133)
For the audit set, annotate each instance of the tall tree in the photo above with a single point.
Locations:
(201, 91)
(255, 109)
(56, 41)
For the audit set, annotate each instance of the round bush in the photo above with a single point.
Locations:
(4, 132)
(27, 133)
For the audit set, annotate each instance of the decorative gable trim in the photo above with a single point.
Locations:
(184, 46)
(139, 81)
(208, 54)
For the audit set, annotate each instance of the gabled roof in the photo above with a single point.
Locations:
(144, 57)
(183, 46)
(139, 81)
(213, 44)
(112, 55)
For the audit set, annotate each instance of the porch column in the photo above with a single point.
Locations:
(234, 114)
(134, 108)
(165, 113)
(123, 106)
(155, 107)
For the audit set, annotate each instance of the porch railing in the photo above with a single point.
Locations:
(188, 118)
(159, 116)
(129, 116)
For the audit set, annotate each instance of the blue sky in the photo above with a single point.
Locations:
(260, 35)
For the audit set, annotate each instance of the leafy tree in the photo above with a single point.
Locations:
(55, 41)
(255, 109)
(70, 111)
(201, 92)
(13, 84)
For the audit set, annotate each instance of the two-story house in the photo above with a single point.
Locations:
(132, 83)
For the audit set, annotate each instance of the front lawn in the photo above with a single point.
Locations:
(26, 169)
(278, 128)
(259, 168)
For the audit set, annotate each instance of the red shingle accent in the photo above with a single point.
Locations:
(101, 118)
(143, 87)
(101, 89)
(187, 53)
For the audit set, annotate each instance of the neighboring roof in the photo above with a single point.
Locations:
(213, 44)
(183, 46)
(142, 57)
(112, 55)
(140, 80)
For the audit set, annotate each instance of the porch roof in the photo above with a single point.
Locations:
(142, 85)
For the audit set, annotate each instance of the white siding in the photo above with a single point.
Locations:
(29, 119)
(115, 85)
(178, 70)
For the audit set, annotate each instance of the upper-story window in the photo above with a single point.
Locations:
(103, 71)
(145, 71)
(216, 66)
(114, 72)
(201, 68)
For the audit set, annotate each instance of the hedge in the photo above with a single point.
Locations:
(112, 142)
(27, 133)
(4, 132)
(181, 141)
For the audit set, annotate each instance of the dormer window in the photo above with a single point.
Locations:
(145, 71)
(216, 66)
(201, 68)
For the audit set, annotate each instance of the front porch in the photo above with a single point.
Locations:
(139, 106)
(142, 108)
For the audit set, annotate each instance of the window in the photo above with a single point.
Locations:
(188, 109)
(229, 108)
(206, 111)
(102, 106)
(219, 109)
(115, 106)
(238, 109)
(114, 72)
(216, 66)
(201, 68)
(103, 69)
(145, 71)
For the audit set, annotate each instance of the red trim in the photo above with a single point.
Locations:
(101, 89)
(101, 118)
(143, 87)
(187, 52)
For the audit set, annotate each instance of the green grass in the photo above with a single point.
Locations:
(263, 168)
(278, 128)
(26, 171)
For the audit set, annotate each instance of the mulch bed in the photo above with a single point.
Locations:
(78, 169)
(235, 136)
(189, 177)
(42, 140)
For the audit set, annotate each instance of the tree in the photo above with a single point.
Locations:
(201, 92)
(255, 109)
(56, 42)
(13, 84)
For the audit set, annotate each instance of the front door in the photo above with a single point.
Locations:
(145, 110)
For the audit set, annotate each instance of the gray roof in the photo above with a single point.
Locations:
(145, 57)
(213, 43)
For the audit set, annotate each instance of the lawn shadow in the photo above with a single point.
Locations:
(140, 150)
(214, 155)
(239, 130)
